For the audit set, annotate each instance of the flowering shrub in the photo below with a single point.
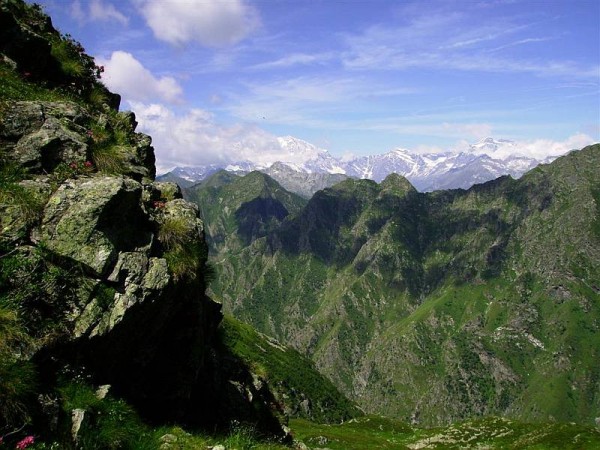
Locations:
(25, 442)
(81, 168)
(81, 68)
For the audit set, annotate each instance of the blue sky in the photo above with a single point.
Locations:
(219, 80)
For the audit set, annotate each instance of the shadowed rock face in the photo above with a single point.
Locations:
(128, 317)
(109, 266)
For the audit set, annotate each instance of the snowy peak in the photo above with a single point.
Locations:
(483, 161)
(499, 149)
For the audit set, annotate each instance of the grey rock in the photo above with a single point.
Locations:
(167, 190)
(77, 416)
(168, 438)
(52, 144)
(41, 135)
(157, 277)
(90, 220)
(102, 391)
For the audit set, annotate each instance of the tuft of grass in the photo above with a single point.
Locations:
(174, 232)
(186, 257)
(109, 159)
(62, 51)
(29, 204)
(18, 378)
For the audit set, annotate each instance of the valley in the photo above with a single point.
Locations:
(430, 308)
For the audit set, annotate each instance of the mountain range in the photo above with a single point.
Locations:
(305, 168)
(424, 306)
(428, 307)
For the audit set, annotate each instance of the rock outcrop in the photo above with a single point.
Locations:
(107, 267)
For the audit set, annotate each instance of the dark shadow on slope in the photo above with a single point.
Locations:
(258, 217)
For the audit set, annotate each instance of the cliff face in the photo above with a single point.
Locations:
(102, 270)
(128, 311)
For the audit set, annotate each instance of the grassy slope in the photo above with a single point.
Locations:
(373, 432)
(290, 375)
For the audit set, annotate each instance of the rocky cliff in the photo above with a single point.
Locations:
(102, 270)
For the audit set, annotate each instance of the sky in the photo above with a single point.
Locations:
(216, 81)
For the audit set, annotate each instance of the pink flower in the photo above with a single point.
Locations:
(88, 164)
(25, 442)
(73, 165)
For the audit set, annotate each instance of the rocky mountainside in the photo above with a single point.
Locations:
(436, 307)
(241, 209)
(105, 326)
(305, 169)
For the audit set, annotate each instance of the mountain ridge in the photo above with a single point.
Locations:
(305, 164)
(434, 307)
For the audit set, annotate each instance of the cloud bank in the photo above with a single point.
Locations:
(194, 138)
(126, 75)
(210, 23)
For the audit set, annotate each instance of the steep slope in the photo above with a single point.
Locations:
(105, 326)
(442, 306)
(241, 209)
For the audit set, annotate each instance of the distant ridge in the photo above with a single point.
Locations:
(303, 165)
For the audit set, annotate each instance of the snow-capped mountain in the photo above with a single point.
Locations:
(483, 161)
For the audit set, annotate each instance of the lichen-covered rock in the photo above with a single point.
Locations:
(166, 190)
(40, 135)
(90, 220)
(187, 212)
(141, 277)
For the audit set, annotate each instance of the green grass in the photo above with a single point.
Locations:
(374, 432)
(18, 377)
(290, 375)
(16, 87)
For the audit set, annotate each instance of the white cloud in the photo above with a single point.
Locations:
(194, 138)
(449, 42)
(532, 148)
(97, 11)
(106, 11)
(213, 23)
(541, 148)
(127, 76)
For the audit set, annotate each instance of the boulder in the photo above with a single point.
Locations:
(90, 220)
(40, 135)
